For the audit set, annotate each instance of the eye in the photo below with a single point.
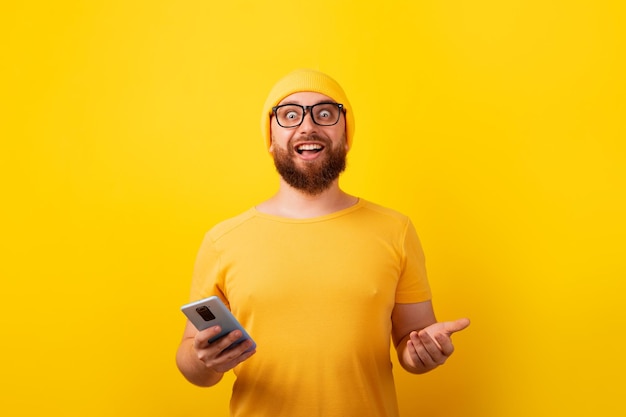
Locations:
(291, 115)
(324, 114)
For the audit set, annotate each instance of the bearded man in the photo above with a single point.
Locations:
(321, 279)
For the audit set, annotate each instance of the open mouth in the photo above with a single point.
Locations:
(309, 148)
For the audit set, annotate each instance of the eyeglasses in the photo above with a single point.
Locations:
(322, 114)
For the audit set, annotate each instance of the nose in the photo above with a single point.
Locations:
(307, 124)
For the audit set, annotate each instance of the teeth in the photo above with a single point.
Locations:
(309, 147)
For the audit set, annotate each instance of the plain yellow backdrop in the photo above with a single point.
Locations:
(128, 128)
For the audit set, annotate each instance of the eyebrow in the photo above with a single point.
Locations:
(319, 102)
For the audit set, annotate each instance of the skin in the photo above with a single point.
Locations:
(422, 343)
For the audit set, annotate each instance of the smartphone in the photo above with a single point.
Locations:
(210, 312)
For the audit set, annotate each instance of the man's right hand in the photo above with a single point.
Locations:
(204, 363)
(220, 355)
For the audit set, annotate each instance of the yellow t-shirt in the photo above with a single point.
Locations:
(316, 295)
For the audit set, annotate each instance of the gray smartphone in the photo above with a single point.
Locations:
(210, 312)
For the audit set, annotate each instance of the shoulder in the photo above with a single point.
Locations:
(225, 227)
(383, 213)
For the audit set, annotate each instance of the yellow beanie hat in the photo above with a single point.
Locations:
(306, 80)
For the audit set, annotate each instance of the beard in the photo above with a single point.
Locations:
(316, 176)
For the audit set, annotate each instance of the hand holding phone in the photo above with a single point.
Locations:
(211, 312)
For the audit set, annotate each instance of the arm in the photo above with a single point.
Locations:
(421, 342)
(204, 363)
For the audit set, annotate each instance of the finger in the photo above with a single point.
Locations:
(233, 352)
(456, 326)
(445, 344)
(225, 342)
(422, 355)
(245, 355)
(241, 358)
(414, 356)
(222, 356)
(202, 338)
(233, 357)
(432, 347)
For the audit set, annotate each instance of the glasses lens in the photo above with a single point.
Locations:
(289, 115)
(325, 114)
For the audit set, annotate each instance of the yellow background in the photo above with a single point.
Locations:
(128, 128)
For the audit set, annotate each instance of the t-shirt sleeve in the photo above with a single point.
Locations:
(207, 277)
(413, 286)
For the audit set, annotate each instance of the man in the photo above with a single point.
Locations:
(321, 279)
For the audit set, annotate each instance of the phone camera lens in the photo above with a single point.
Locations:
(205, 313)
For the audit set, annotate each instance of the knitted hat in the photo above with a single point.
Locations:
(306, 80)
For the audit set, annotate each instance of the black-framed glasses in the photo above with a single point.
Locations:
(323, 114)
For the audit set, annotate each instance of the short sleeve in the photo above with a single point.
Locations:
(413, 286)
(207, 278)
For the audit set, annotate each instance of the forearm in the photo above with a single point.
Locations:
(192, 368)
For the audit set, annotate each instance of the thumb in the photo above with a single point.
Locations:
(456, 326)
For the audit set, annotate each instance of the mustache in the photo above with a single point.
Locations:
(310, 138)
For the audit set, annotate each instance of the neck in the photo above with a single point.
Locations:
(293, 203)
